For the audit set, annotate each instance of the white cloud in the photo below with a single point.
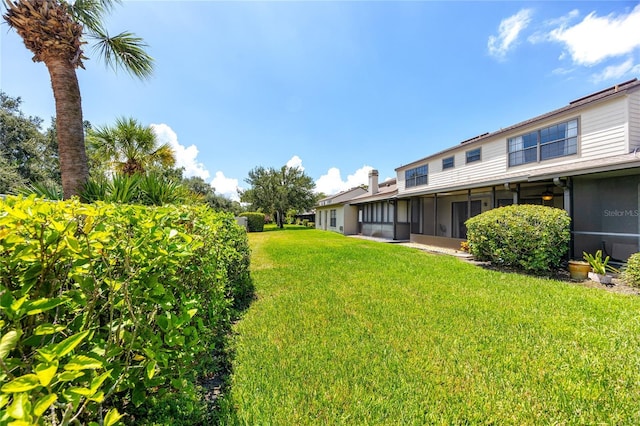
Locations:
(332, 182)
(185, 156)
(562, 71)
(225, 186)
(508, 32)
(614, 72)
(295, 163)
(597, 38)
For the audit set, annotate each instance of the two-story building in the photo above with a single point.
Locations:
(584, 158)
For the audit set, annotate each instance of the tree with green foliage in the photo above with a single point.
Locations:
(27, 156)
(278, 190)
(55, 31)
(129, 147)
(198, 186)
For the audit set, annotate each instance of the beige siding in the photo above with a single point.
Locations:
(634, 121)
(603, 130)
(339, 219)
(350, 217)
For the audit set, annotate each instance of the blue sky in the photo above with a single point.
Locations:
(340, 87)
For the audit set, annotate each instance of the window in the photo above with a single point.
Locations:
(473, 155)
(332, 218)
(448, 163)
(416, 176)
(559, 140)
(550, 142)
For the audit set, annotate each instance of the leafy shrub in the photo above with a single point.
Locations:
(529, 237)
(109, 308)
(305, 222)
(631, 272)
(255, 221)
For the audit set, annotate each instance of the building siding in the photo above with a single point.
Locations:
(634, 121)
(603, 133)
(604, 130)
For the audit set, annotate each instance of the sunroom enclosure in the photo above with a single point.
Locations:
(439, 218)
(606, 214)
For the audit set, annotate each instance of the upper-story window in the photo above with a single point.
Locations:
(549, 142)
(416, 176)
(473, 155)
(448, 163)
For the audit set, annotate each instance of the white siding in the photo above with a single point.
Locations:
(603, 130)
(634, 120)
(603, 133)
(493, 163)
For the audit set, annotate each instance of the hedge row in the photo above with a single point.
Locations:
(109, 309)
(529, 237)
(255, 221)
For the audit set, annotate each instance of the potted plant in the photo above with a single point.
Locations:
(579, 269)
(599, 267)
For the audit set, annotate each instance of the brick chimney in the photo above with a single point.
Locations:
(373, 182)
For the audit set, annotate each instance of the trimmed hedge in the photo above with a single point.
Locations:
(631, 272)
(107, 309)
(529, 237)
(255, 221)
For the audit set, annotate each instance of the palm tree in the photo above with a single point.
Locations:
(53, 30)
(129, 147)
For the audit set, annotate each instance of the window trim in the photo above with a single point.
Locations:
(525, 151)
(448, 162)
(473, 159)
(416, 179)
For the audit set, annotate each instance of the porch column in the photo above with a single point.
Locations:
(435, 215)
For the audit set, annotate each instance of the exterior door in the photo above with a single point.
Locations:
(459, 216)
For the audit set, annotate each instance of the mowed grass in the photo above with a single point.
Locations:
(347, 331)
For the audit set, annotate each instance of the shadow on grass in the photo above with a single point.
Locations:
(217, 385)
(274, 228)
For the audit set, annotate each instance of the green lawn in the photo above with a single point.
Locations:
(346, 331)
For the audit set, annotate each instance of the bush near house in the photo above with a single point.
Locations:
(110, 309)
(631, 272)
(255, 221)
(528, 237)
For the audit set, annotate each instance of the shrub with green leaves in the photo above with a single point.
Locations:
(631, 271)
(528, 237)
(105, 307)
(255, 221)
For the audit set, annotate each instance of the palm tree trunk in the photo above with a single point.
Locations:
(73, 157)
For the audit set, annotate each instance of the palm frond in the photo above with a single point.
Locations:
(90, 13)
(125, 51)
(164, 155)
